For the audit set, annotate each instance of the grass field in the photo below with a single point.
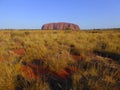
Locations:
(60, 60)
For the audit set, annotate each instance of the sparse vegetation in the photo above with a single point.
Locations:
(59, 60)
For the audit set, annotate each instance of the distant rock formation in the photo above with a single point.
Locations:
(60, 26)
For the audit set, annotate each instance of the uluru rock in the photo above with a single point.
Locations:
(60, 26)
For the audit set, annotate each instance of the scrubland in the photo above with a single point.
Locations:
(59, 60)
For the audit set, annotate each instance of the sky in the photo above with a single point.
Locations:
(32, 14)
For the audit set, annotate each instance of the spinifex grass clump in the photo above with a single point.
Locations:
(54, 56)
(8, 72)
(96, 74)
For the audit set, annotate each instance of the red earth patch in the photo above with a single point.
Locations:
(1, 59)
(27, 72)
(20, 51)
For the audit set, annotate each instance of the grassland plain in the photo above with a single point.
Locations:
(59, 60)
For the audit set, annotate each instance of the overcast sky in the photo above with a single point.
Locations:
(88, 14)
